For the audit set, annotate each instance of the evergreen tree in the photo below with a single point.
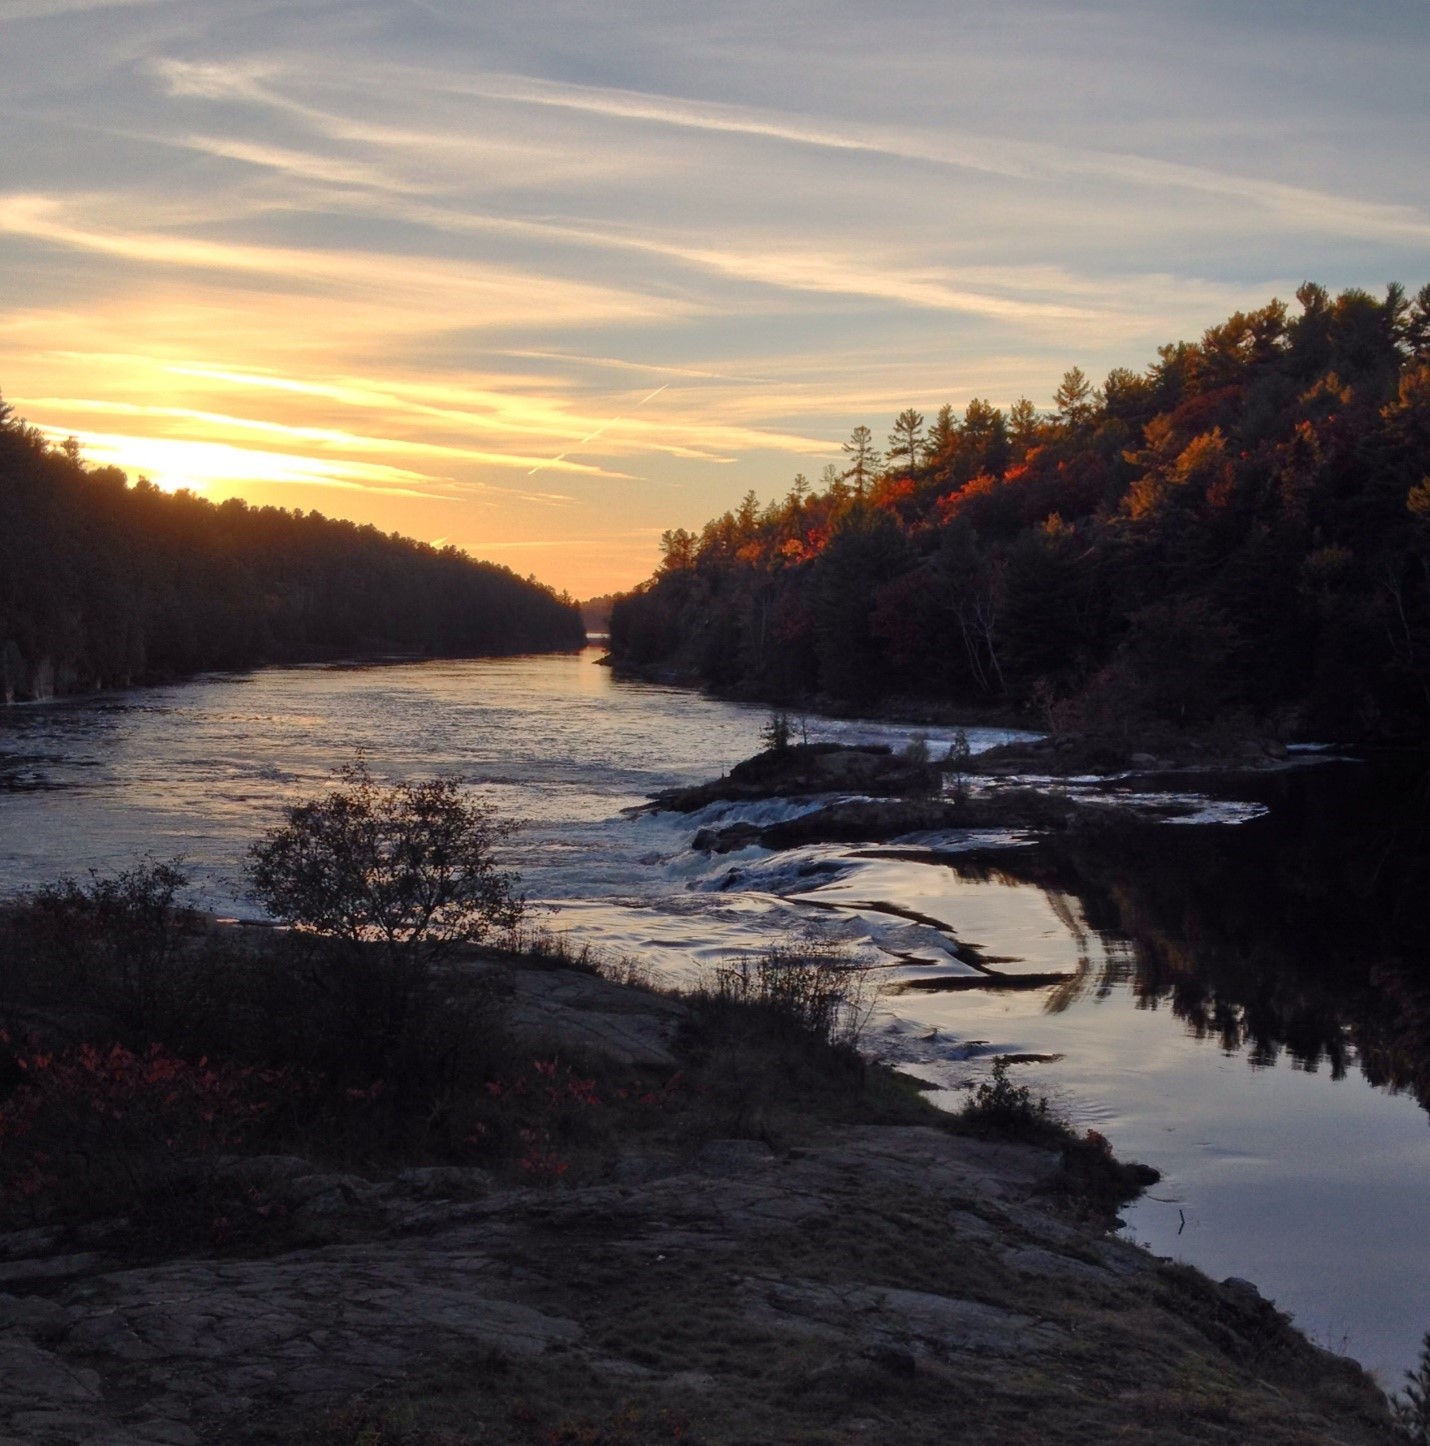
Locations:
(1074, 398)
(1024, 426)
(864, 460)
(905, 439)
(943, 435)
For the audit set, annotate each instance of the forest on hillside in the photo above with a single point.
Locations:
(1241, 528)
(104, 584)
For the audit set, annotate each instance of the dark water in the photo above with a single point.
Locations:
(1300, 937)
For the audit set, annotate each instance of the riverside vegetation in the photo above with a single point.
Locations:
(397, 1174)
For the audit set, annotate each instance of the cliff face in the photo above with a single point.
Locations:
(24, 680)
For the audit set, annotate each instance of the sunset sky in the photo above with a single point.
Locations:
(544, 280)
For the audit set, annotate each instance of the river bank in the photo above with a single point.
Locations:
(621, 1214)
(820, 1257)
(1237, 741)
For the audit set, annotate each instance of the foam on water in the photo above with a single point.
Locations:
(1162, 805)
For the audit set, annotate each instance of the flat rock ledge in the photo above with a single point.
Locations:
(566, 1009)
(803, 1247)
(807, 768)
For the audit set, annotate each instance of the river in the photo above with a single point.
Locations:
(1213, 1019)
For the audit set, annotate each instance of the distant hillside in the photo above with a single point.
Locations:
(103, 584)
(1244, 525)
(596, 612)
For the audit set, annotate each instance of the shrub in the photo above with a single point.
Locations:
(1092, 1182)
(1000, 1107)
(924, 778)
(916, 750)
(91, 1128)
(773, 1039)
(114, 942)
(1412, 1408)
(409, 867)
(810, 986)
(378, 882)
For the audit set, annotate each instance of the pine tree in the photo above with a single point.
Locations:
(943, 435)
(1024, 426)
(1074, 398)
(864, 459)
(905, 438)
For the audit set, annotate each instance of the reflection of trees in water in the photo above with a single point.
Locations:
(1102, 959)
(1299, 936)
(1115, 963)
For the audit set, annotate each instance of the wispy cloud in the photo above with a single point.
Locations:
(188, 420)
(831, 268)
(219, 79)
(50, 9)
(594, 433)
(489, 409)
(460, 147)
(409, 288)
(415, 254)
(304, 165)
(609, 363)
(1019, 160)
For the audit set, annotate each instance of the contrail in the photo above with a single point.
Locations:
(591, 436)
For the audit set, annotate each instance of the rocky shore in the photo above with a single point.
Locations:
(871, 794)
(831, 1282)
(799, 1249)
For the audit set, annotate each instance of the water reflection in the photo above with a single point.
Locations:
(1301, 935)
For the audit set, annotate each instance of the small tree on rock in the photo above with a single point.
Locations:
(408, 867)
(777, 732)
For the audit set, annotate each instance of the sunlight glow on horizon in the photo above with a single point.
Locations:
(174, 464)
(421, 268)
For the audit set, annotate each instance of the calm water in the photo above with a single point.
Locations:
(1217, 1017)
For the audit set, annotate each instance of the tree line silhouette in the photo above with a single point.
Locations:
(104, 584)
(1243, 525)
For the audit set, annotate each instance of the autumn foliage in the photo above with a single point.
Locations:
(1243, 525)
(97, 1117)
